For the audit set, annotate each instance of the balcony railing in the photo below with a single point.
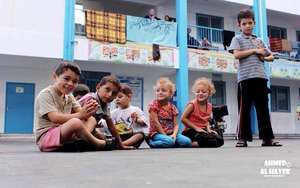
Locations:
(290, 52)
(200, 34)
(212, 34)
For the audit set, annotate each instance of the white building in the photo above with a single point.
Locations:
(32, 38)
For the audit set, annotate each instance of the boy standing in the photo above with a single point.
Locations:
(252, 81)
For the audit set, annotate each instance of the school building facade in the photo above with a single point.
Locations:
(36, 35)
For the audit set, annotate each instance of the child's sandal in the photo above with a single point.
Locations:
(271, 144)
(110, 144)
(241, 143)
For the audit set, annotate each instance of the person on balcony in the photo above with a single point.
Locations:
(205, 42)
(169, 19)
(152, 15)
(192, 42)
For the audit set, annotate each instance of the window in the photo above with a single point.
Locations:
(91, 79)
(79, 20)
(219, 98)
(280, 98)
(210, 21)
(298, 35)
(277, 32)
(210, 27)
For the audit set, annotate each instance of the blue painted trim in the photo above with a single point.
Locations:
(182, 81)
(69, 30)
(256, 17)
(256, 30)
(203, 27)
(265, 38)
(261, 30)
(142, 93)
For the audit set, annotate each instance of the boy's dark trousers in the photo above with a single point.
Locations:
(254, 91)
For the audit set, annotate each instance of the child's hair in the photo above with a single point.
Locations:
(81, 90)
(64, 66)
(246, 13)
(206, 82)
(111, 79)
(125, 89)
(166, 82)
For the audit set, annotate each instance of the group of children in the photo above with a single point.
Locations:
(67, 113)
(63, 119)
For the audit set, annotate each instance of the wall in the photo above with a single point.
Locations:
(229, 11)
(286, 122)
(23, 70)
(128, 8)
(280, 20)
(38, 71)
(217, 8)
(32, 28)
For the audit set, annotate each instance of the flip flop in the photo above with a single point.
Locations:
(110, 144)
(241, 144)
(271, 144)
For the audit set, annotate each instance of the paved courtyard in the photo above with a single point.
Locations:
(22, 165)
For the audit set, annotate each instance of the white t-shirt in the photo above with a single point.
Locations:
(123, 116)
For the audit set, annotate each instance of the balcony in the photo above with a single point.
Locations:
(204, 58)
(136, 46)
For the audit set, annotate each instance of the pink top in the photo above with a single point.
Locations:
(198, 117)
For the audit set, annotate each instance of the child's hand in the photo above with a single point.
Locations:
(88, 109)
(261, 57)
(199, 130)
(212, 131)
(173, 136)
(168, 132)
(134, 117)
(261, 51)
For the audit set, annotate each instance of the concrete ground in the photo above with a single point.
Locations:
(22, 165)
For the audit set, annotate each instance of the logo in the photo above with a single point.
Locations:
(276, 168)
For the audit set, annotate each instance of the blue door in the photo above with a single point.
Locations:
(19, 108)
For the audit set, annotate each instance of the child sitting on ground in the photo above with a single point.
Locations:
(163, 118)
(59, 117)
(197, 115)
(129, 120)
(106, 92)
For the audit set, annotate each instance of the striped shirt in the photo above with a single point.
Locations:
(251, 66)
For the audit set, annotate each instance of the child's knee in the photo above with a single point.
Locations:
(186, 142)
(76, 124)
(168, 141)
(140, 135)
(92, 120)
